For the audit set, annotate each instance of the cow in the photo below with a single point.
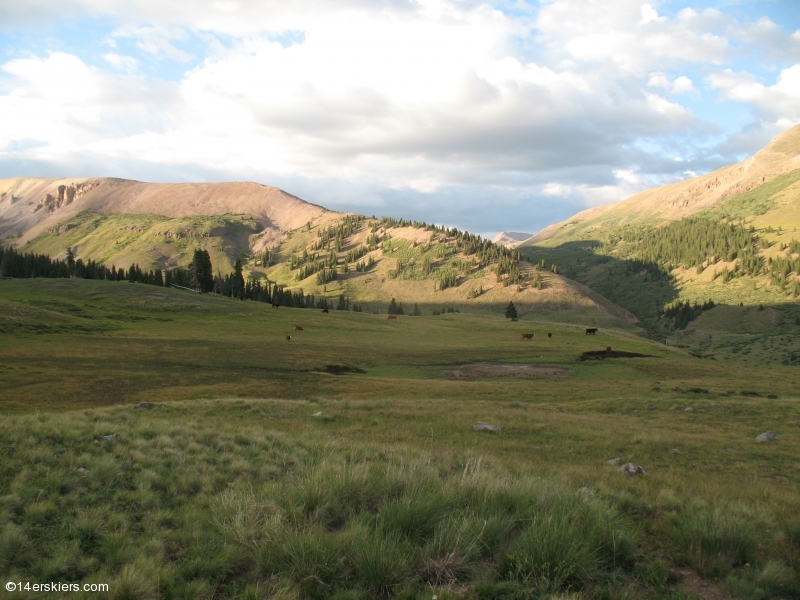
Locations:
(591, 330)
(393, 317)
(608, 350)
(288, 338)
(298, 328)
(324, 310)
(275, 305)
(549, 335)
(527, 336)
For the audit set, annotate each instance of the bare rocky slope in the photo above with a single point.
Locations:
(29, 206)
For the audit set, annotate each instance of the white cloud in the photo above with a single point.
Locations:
(120, 62)
(682, 85)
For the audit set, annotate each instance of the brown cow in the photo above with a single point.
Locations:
(527, 336)
(288, 337)
(298, 328)
(608, 349)
(393, 317)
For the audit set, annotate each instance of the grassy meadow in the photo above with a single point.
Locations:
(260, 473)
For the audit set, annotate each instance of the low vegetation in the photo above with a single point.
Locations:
(344, 464)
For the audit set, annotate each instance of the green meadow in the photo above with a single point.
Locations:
(344, 463)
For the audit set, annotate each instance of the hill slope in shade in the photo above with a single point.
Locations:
(731, 236)
(30, 206)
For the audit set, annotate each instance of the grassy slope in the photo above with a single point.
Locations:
(126, 239)
(210, 497)
(772, 208)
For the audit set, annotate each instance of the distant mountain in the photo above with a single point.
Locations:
(283, 239)
(29, 206)
(510, 239)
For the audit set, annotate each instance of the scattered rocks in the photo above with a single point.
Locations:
(107, 438)
(82, 472)
(317, 414)
(767, 436)
(614, 461)
(145, 405)
(481, 426)
(674, 451)
(632, 469)
(688, 409)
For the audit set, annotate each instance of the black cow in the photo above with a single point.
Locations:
(591, 330)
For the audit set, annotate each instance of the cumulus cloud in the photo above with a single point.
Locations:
(427, 105)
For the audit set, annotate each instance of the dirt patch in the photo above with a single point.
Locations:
(692, 583)
(341, 369)
(475, 370)
(601, 354)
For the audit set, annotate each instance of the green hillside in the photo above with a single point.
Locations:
(360, 262)
(741, 251)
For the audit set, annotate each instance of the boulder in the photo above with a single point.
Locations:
(82, 472)
(481, 426)
(108, 438)
(689, 409)
(767, 436)
(317, 414)
(145, 405)
(632, 469)
(614, 461)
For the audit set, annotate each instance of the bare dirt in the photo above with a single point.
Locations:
(476, 370)
(603, 354)
(692, 583)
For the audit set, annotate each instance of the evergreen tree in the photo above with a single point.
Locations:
(416, 312)
(393, 307)
(201, 272)
(511, 311)
(237, 280)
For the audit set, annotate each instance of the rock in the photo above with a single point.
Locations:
(481, 426)
(145, 405)
(163, 406)
(317, 414)
(614, 461)
(767, 436)
(689, 409)
(108, 438)
(82, 472)
(632, 469)
(674, 451)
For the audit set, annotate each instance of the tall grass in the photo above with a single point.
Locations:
(180, 507)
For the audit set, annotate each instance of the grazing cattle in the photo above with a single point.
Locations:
(274, 305)
(324, 310)
(527, 336)
(288, 337)
(549, 335)
(591, 330)
(608, 349)
(298, 328)
(393, 317)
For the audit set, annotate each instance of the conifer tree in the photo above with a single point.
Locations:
(237, 280)
(511, 311)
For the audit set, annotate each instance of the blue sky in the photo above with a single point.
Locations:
(486, 116)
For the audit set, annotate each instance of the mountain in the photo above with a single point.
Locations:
(728, 238)
(29, 206)
(282, 239)
(765, 185)
(510, 239)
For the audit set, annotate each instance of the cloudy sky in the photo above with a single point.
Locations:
(484, 115)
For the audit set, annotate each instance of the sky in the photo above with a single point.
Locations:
(487, 116)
